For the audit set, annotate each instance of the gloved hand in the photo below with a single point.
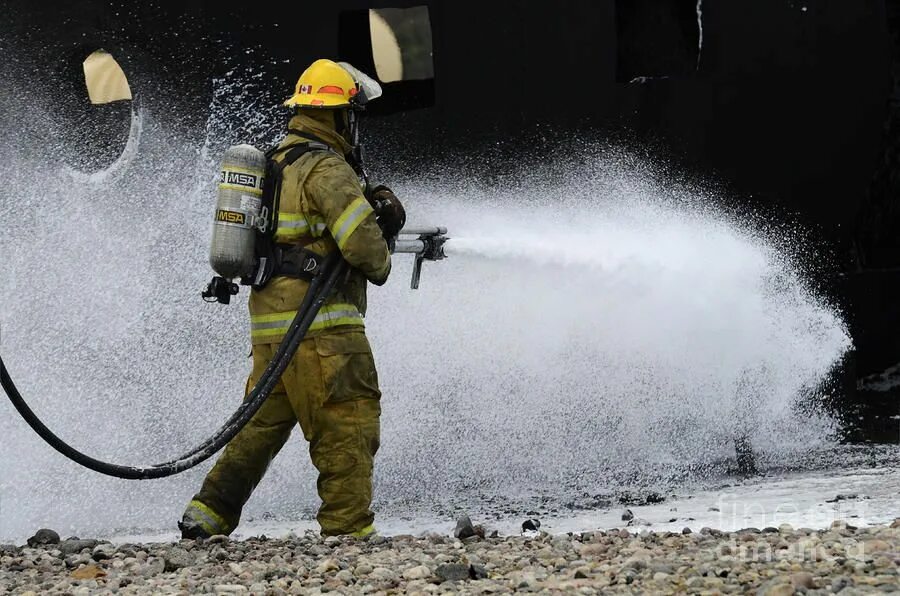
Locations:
(389, 212)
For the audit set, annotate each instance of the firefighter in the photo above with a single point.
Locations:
(331, 386)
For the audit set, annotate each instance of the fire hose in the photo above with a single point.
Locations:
(429, 246)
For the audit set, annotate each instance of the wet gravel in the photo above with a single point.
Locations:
(767, 561)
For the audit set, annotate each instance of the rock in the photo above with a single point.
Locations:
(153, 566)
(843, 497)
(418, 572)
(777, 587)
(333, 541)
(477, 571)
(638, 563)
(593, 549)
(686, 531)
(218, 539)
(364, 569)
(345, 576)
(464, 528)
(236, 568)
(452, 572)
(103, 551)
(319, 550)
(73, 546)
(229, 589)
(43, 537)
(839, 583)
(580, 574)
(383, 573)
(694, 582)
(177, 558)
(531, 525)
(327, 566)
(896, 524)
(73, 561)
(803, 579)
(9, 549)
(88, 572)
(876, 546)
(627, 515)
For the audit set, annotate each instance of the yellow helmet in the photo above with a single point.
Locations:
(325, 84)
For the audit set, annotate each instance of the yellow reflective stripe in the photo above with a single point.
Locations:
(364, 532)
(296, 224)
(349, 220)
(275, 331)
(244, 189)
(337, 322)
(284, 216)
(336, 314)
(331, 315)
(211, 521)
(278, 316)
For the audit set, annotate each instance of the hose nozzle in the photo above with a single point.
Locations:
(429, 246)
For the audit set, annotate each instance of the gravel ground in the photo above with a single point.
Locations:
(771, 561)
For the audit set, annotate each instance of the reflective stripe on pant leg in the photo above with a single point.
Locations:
(246, 458)
(211, 522)
(365, 532)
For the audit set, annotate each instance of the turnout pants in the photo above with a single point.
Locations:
(331, 389)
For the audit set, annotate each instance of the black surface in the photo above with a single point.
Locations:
(793, 105)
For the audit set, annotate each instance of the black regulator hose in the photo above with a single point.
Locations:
(320, 288)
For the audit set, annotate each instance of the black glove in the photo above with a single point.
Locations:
(389, 212)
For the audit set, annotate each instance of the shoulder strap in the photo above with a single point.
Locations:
(274, 170)
(271, 198)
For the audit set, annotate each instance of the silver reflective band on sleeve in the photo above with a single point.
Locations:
(349, 220)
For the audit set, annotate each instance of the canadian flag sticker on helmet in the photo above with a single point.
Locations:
(305, 89)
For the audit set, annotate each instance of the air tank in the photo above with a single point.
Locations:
(239, 199)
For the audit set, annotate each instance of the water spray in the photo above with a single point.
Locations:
(428, 246)
(240, 222)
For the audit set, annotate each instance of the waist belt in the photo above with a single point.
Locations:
(296, 262)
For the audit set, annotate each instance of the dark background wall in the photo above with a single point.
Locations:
(792, 105)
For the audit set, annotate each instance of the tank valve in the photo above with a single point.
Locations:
(220, 290)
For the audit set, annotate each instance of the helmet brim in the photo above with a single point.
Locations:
(367, 84)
